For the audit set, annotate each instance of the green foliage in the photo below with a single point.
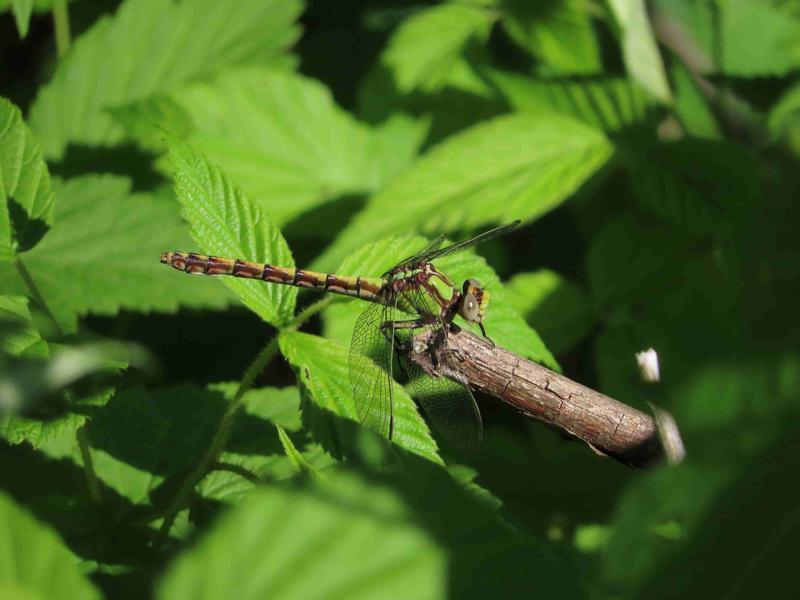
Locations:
(225, 223)
(149, 47)
(27, 208)
(191, 437)
(27, 551)
(515, 166)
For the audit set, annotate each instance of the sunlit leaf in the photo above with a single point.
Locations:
(358, 540)
(149, 47)
(504, 324)
(22, 10)
(424, 48)
(34, 562)
(322, 369)
(513, 167)
(639, 49)
(556, 307)
(283, 139)
(226, 223)
(81, 268)
(27, 201)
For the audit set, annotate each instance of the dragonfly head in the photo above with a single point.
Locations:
(474, 301)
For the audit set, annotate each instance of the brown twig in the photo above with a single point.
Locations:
(606, 425)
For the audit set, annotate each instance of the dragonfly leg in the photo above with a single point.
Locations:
(483, 331)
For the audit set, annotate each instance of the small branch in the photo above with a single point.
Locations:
(222, 434)
(61, 26)
(36, 295)
(88, 466)
(606, 425)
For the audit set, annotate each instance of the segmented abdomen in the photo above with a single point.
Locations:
(360, 287)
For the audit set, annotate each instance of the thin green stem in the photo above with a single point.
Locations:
(88, 466)
(226, 423)
(61, 26)
(36, 294)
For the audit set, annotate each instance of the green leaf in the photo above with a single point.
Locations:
(34, 562)
(625, 256)
(284, 140)
(37, 431)
(18, 333)
(22, 15)
(255, 445)
(639, 49)
(556, 307)
(608, 104)
(513, 167)
(702, 186)
(504, 324)
(322, 368)
(358, 541)
(681, 496)
(424, 48)
(738, 37)
(226, 223)
(784, 117)
(559, 33)
(149, 47)
(27, 201)
(691, 107)
(743, 403)
(81, 268)
(299, 463)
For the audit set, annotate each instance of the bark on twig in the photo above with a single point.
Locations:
(606, 425)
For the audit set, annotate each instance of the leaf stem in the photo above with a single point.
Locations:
(36, 294)
(88, 466)
(61, 26)
(226, 423)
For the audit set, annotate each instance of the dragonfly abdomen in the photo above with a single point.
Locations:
(201, 264)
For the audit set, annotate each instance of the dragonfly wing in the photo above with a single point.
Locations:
(415, 258)
(452, 409)
(457, 247)
(370, 364)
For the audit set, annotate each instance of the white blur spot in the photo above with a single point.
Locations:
(648, 365)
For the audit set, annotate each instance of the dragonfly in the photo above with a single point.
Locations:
(413, 297)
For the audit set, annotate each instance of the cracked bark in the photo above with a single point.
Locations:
(609, 427)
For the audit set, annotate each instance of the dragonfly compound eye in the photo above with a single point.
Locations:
(470, 309)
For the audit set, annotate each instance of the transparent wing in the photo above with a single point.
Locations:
(419, 256)
(436, 252)
(370, 364)
(452, 409)
(449, 405)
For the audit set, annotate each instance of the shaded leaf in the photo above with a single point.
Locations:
(702, 186)
(226, 223)
(147, 48)
(18, 333)
(27, 201)
(512, 167)
(557, 32)
(608, 104)
(34, 562)
(691, 107)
